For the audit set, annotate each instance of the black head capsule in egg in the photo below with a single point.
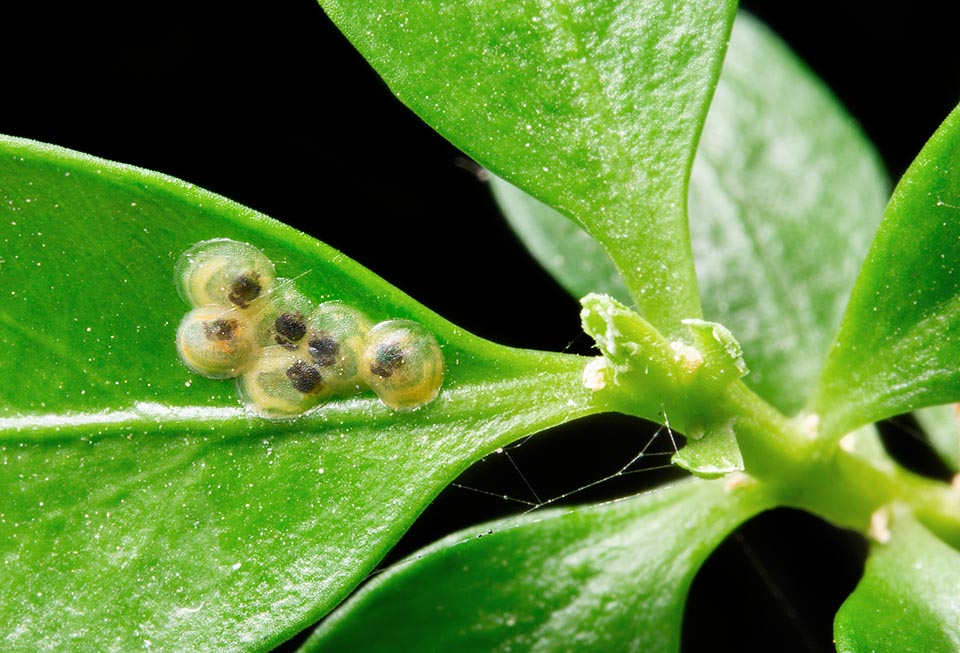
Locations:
(387, 358)
(216, 342)
(245, 288)
(282, 318)
(289, 328)
(324, 349)
(225, 272)
(403, 363)
(282, 384)
(305, 377)
(334, 341)
(221, 328)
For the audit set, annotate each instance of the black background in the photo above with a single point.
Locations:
(268, 105)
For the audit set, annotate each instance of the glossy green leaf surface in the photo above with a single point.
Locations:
(592, 107)
(785, 197)
(612, 577)
(144, 506)
(899, 345)
(907, 601)
(713, 454)
(942, 428)
(571, 255)
(783, 182)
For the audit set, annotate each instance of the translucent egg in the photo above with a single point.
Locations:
(289, 354)
(335, 342)
(402, 362)
(282, 320)
(282, 383)
(225, 272)
(216, 342)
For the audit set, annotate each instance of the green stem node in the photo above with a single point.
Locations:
(695, 387)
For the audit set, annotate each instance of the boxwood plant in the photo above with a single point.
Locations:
(722, 220)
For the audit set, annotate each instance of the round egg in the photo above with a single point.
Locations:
(403, 363)
(335, 341)
(225, 272)
(216, 342)
(282, 320)
(281, 383)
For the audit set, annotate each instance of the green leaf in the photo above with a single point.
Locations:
(612, 577)
(907, 600)
(143, 505)
(783, 181)
(592, 107)
(711, 454)
(780, 163)
(577, 261)
(785, 196)
(941, 425)
(899, 345)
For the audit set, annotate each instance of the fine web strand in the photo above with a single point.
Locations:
(658, 446)
(622, 471)
(771, 585)
(538, 500)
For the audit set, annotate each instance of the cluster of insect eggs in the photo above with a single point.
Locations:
(287, 354)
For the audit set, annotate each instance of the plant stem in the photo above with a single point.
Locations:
(698, 383)
(775, 447)
(843, 484)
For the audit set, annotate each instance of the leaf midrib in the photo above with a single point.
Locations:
(599, 103)
(455, 403)
(770, 270)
